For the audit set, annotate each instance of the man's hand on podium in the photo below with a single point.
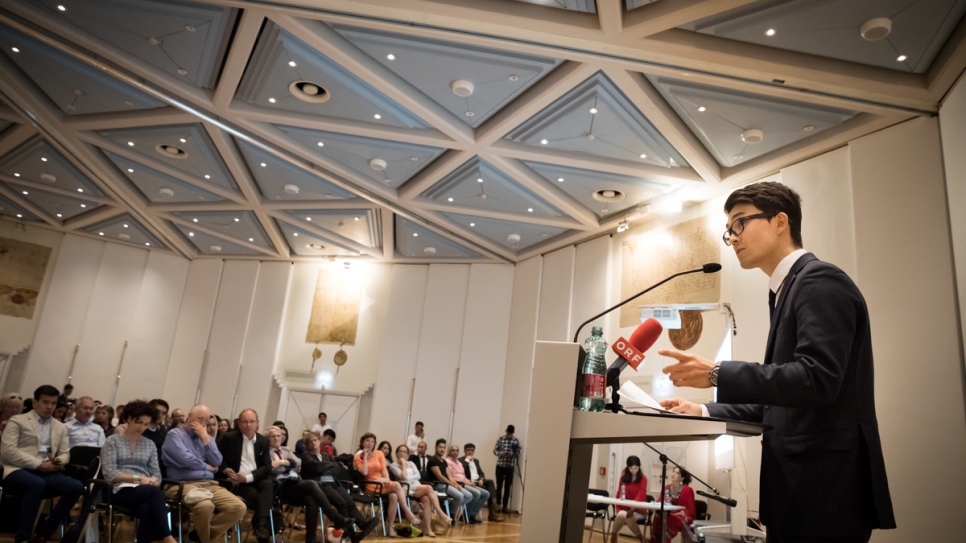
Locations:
(677, 405)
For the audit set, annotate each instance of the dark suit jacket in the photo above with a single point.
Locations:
(466, 468)
(822, 471)
(414, 458)
(231, 452)
(313, 468)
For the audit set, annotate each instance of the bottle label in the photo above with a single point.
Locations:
(593, 386)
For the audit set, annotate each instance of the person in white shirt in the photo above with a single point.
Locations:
(247, 463)
(322, 426)
(82, 431)
(413, 441)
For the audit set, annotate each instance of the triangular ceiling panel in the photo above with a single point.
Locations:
(280, 180)
(386, 163)
(587, 6)
(242, 226)
(56, 205)
(285, 74)
(596, 118)
(583, 185)
(185, 40)
(486, 79)
(125, 229)
(72, 86)
(5, 124)
(414, 241)
(158, 187)
(722, 118)
(9, 208)
(513, 235)
(479, 185)
(38, 162)
(833, 28)
(356, 225)
(182, 147)
(306, 243)
(210, 245)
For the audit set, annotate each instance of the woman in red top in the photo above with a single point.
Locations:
(676, 493)
(371, 463)
(633, 486)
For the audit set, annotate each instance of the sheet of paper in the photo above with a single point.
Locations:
(633, 393)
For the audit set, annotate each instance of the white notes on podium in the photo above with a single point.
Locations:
(637, 398)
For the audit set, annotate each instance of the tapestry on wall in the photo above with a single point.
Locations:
(22, 267)
(649, 258)
(335, 309)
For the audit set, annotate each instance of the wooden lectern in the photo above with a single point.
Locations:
(560, 444)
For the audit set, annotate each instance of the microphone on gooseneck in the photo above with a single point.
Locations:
(630, 352)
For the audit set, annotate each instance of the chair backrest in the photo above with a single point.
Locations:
(84, 463)
(597, 507)
(701, 508)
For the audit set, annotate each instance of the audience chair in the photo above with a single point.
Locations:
(599, 511)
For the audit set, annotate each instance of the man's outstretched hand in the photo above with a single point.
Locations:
(690, 371)
(677, 405)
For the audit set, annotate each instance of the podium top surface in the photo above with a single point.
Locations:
(589, 427)
(653, 506)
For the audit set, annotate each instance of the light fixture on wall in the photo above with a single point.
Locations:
(622, 226)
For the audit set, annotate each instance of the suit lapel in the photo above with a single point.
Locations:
(783, 295)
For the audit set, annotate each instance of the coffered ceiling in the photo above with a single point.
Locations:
(434, 130)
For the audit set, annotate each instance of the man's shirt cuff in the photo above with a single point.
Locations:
(704, 411)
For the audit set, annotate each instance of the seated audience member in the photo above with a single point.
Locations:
(438, 475)
(187, 453)
(418, 435)
(281, 426)
(103, 416)
(69, 414)
(10, 404)
(300, 445)
(386, 449)
(65, 397)
(223, 427)
(676, 493)
(118, 413)
(177, 418)
(322, 425)
(421, 459)
(156, 431)
(474, 473)
(328, 437)
(371, 463)
(458, 474)
(33, 452)
(246, 462)
(319, 488)
(130, 462)
(212, 427)
(82, 431)
(60, 411)
(407, 473)
(632, 486)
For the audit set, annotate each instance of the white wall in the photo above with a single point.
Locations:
(952, 121)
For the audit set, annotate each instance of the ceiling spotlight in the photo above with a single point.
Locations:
(808, 128)
(415, 234)
(207, 176)
(449, 199)
(130, 144)
(272, 100)
(191, 234)
(429, 250)
(130, 170)
(128, 103)
(355, 218)
(876, 29)
(901, 58)
(215, 248)
(237, 219)
(377, 116)
(263, 165)
(391, 56)
(80, 190)
(99, 233)
(15, 50)
(560, 179)
(622, 226)
(593, 111)
(296, 234)
(43, 159)
(19, 216)
(469, 114)
(378, 164)
(308, 219)
(321, 144)
(25, 193)
(194, 220)
(16, 175)
(83, 205)
(702, 109)
(643, 155)
(529, 210)
(124, 225)
(184, 140)
(251, 239)
(61, 8)
(125, 237)
(770, 32)
(462, 88)
(514, 77)
(479, 179)
(513, 238)
(544, 142)
(59, 215)
(148, 244)
(739, 157)
(292, 63)
(472, 224)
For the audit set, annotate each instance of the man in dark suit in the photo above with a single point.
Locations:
(247, 463)
(421, 460)
(474, 474)
(822, 472)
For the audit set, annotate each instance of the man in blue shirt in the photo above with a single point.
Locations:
(81, 430)
(191, 456)
(34, 452)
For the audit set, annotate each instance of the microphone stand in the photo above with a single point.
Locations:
(664, 461)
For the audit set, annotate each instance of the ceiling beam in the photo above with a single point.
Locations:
(433, 173)
(309, 205)
(321, 232)
(128, 119)
(15, 137)
(660, 16)
(610, 13)
(29, 206)
(242, 44)
(652, 105)
(221, 235)
(949, 64)
(87, 197)
(93, 216)
(498, 215)
(387, 221)
(274, 234)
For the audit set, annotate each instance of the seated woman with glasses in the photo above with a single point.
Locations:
(10, 404)
(130, 461)
(371, 463)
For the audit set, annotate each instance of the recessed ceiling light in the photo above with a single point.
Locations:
(901, 58)
(469, 114)
(544, 142)
(415, 234)
(83, 205)
(251, 239)
(19, 216)
(479, 180)
(183, 140)
(99, 233)
(272, 100)
(770, 32)
(15, 50)
(308, 219)
(128, 103)
(643, 155)
(514, 77)
(359, 240)
(59, 215)
(391, 56)
(237, 219)
(560, 179)
(61, 8)
(192, 234)
(296, 234)
(593, 111)
(80, 190)
(355, 218)
(292, 63)
(264, 165)
(43, 159)
(130, 170)
(321, 144)
(207, 176)
(808, 128)
(702, 109)
(377, 116)
(25, 193)
(130, 144)
(124, 225)
(529, 210)
(472, 224)
(194, 220)
(148, 244)
(16, 175)
(449, 199)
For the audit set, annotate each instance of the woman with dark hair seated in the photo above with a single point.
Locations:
(371, 463)
(676, 493)
(386, 449)
(130, 461)
(103, 416)
(633, 486)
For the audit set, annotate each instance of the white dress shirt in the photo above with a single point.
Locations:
(84, 434)
(247, 465)
(413, 441)
(43, 445)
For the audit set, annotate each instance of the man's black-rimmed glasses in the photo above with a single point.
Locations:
(738, 226)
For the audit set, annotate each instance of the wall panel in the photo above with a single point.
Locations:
(191, 334)
(440, 343)
(952, 121)
(227, 339)
(62, 320)
(399, 353)
(153, 327)
(483, 360)
(556, 295)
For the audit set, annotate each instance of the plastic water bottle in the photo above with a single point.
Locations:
(593, 374)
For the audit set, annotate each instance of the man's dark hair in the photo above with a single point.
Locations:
(158, 401)
(68, 385)
(46, 390)
(139, 408)
(771, 197)
(419, 423)
(510, 429)
(469, 446)
(440, 440)
(329, 432)
(323, 413)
